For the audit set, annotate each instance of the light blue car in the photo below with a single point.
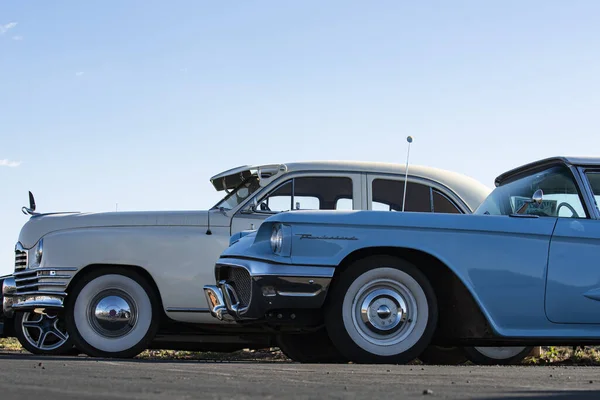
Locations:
(379, 287)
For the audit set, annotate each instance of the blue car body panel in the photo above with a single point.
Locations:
(532, 275)
(502, 260)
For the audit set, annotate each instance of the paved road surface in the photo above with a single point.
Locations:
(62, 378)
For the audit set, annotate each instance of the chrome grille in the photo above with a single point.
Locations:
(240, 279)
(42, 280)
(20, 257)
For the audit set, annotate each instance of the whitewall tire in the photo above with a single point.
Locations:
(112, 314)
(381, 309)
(497, 355)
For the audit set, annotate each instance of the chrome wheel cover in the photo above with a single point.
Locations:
(383, 312)
(44, 332)
(112, 313)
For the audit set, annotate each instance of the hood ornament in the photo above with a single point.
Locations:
(31, 209)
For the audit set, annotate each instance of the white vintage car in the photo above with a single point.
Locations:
(116, 283)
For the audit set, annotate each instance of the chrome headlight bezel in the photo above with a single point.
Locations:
(36, 254)
(277, 238)
(281, 240)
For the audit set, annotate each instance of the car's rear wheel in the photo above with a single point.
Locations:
(112, 314)
(314, 347)
(497, 355)
(43, 334)
(440, 355)
(381, 309)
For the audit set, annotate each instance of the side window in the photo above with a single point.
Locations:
(442, 204)
(387, 195)
(310, 193)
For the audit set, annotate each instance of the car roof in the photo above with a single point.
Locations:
(574, 161)
(471, 191)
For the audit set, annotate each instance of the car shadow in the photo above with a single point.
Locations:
(84, 358)
(548, 395)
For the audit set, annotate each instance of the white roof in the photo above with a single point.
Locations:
(471, 191)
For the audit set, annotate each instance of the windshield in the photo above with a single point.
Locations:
(560, 195)
(239, 194)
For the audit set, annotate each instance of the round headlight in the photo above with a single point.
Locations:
(277, 239)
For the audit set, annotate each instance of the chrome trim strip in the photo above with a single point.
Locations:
(260, 268)
(300, 294)
(33, 285)
(188, 310)
(40, 293)
(34, 270)
(36, 277)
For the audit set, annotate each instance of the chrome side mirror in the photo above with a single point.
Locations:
(537, 198)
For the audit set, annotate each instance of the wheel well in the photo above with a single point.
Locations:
(460, 317)
(116, 267)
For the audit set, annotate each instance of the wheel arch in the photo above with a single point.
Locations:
(460, 315)
(116, 267)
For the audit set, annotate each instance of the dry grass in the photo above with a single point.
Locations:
(550, 355)
(10, 344)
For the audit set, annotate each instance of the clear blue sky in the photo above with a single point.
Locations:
(140, 102)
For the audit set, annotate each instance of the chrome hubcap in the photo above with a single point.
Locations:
(384, 312)
(43, 331)
(112, 313)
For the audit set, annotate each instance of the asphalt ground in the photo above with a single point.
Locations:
(24, 376)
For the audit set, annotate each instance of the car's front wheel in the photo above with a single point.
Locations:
(112, 313)
(381, 309)
(314, 347)
(43, 334)
(497, 355)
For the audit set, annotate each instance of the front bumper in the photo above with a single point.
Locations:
(249, 290)
(32, 289)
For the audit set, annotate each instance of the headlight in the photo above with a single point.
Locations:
(39, 252)
(35, 254)
(277, 239)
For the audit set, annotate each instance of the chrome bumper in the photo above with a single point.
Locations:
(265, 287)
(29, 290)
(215, 296)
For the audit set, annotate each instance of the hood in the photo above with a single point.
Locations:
(42, 224)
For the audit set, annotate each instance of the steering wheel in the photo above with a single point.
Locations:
(570, 207)
(264, 207)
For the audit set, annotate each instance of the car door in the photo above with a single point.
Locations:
(301, 191)
(573, 281)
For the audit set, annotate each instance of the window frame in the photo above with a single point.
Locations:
(589, 199)
(579, 179)
(442, 190)
(354, 177)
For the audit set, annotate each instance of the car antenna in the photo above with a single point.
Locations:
(409, 140)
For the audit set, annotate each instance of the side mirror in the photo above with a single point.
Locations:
(537, 198)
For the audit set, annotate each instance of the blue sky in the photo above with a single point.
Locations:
(140, 102)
